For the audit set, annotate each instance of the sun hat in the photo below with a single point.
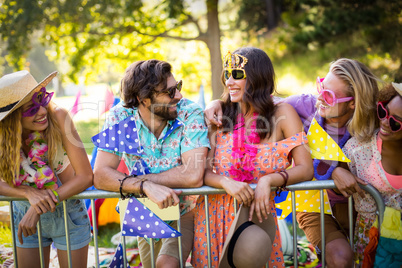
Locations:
(17, 88)
(398, 87)
(248, 243)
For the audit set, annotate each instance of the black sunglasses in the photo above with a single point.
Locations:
(171, 91)
(237, 74)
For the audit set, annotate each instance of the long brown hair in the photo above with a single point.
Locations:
(260, 84)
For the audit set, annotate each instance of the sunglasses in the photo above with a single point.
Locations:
(382, 113)
(171, 91)
(328, 95)
(43, 97)
(237, 74)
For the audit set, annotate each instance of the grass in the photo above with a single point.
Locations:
(105, 234)
(87, 129)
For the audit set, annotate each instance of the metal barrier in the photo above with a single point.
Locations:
(204, 190)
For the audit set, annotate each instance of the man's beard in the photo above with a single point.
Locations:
(162, 110)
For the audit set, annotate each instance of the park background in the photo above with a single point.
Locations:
(91, 42)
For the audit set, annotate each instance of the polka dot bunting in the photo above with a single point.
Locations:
(322, 146)
(140, 221)
(121, 137)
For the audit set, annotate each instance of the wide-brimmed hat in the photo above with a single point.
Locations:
(248, 243)
(398, 87)
(17, 88)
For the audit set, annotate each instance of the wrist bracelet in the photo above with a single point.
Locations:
(142, 194)
(57, 196)
(285, 177)
(121, 185)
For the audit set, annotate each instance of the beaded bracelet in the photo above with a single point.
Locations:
(57, 196)
(285, 177)
(121, 185)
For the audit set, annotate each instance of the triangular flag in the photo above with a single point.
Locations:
(140, 221)
(121, 137)
(322, 146)
(306, 201)
(109, 100)
(117, 261)
(76, 106)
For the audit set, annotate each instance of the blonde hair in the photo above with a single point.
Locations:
(11, 142)
(363, 86)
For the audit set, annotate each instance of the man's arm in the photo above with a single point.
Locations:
(106, 177)
(187, 175)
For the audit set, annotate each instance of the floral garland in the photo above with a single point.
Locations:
(334, 164)
(243, 154)
(34, 169)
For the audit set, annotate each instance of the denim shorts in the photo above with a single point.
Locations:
(53, 228)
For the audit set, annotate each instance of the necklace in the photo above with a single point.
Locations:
(243, 154)
(334, 164)
(34, 169)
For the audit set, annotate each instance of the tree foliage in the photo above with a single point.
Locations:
(370, 26)
(90, 33)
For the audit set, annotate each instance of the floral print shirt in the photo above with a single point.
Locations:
(164, 152)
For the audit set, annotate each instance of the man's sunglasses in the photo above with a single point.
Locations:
(328, 95)
(237, 74)
(382, 113)
(171, 91)
(40, 98)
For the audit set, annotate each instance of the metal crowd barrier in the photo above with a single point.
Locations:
(204, 190)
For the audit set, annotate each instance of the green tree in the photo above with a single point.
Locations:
(89, 32)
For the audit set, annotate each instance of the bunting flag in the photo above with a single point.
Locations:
(141, 221)
(77, 104)
(117, 261)
(306, 201)
(121, 137)
(322, 146)
(109, 101)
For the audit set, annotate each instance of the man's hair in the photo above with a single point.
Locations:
(141, 79)
(363, 87)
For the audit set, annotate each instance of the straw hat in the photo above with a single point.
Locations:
(249, 243)
(17, 88)
(398, 87)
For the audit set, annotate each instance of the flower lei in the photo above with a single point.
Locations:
(243, 154)
(34, 169)
(316, 162)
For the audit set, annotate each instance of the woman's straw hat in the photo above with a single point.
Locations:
(17, 88)
(248, 243)
(398, 87)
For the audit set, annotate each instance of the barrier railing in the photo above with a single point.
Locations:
(204, 190)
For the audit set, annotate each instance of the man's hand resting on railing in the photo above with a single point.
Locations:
(27, 225)
(346, 182)
(161, 195)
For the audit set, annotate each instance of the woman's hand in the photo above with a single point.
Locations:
(241, 191)
(346, 182)
(27, 225)
(261, 200)
(41, 200)
(161, 195)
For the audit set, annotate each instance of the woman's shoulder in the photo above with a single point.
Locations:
(60, 112)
